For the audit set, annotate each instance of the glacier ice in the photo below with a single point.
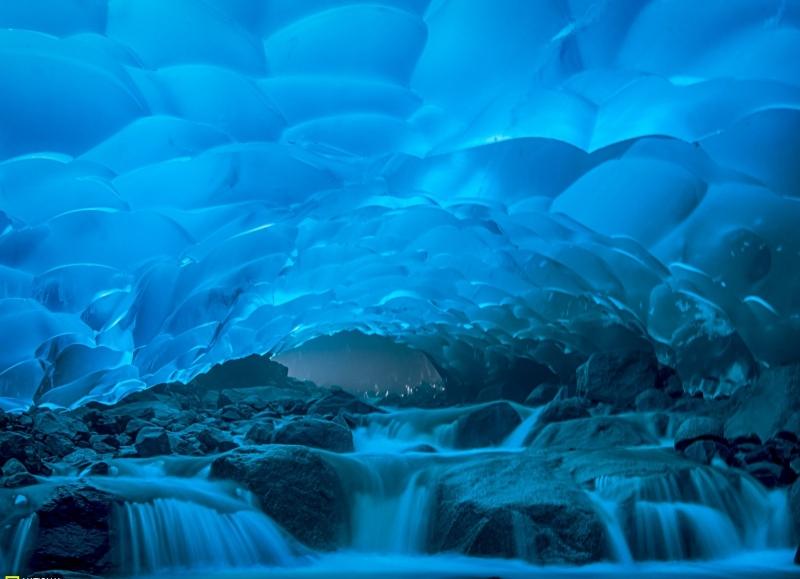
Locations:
(186, 182)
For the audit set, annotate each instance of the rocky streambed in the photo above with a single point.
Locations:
(246, 468)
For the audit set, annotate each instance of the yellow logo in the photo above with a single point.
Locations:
(12, 576)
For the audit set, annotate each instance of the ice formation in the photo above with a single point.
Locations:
(184, 182)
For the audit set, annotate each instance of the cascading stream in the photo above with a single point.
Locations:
(169, 533)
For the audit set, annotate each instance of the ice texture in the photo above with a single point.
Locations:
(183, 182)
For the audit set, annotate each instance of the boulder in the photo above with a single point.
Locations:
(767, 406)
(698, 428)
(558, 411)
(315, 433)
(46, 422)
(591, 433)
(152, 441)
(13, 466)
(74, 531)
(482, 506)
(209, 438)
(260, 432)
(485, 426)
(245, 372)
(22, 447)
(617, 377)
(296, 487)
(20, 479)
(338, 401)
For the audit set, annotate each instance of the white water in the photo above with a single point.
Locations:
(175, 534)
(17, 541)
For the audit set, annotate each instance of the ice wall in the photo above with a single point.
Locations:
(185, 181)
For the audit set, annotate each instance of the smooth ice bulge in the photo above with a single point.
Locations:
(187, 182)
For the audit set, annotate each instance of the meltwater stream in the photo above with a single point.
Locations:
(174, 519)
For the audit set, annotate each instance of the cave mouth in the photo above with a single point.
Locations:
(360, 363)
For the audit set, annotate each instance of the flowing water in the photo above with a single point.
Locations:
(176, 520)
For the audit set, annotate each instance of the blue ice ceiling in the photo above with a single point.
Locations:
(187, 181)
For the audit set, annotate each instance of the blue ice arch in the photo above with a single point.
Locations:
(188, 181)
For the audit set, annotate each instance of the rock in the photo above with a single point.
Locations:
(591, 433)
(338, 401)
(75, 531)
(261, 433)
(617, 377)
(768, 474)
(698, 428)
(152, 441)
(22, 447)
(241, 373)
(209, 438)
(133, 427)
(81, 458)
(702, 451)
(767, 406)
(542, 394)
(13, 466)
(481, 506)
(48, 422)
(20, 479)
(558, 411)
(297, 488)
(485, 426)
(315, 433)
(58, 445)
(797, 556)
(652, 399)
(104, 443)
(794, 506)
(420, 448)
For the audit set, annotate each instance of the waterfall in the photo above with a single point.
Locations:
(519, 436)
(168, 533)
(696, 513)
(16, 542)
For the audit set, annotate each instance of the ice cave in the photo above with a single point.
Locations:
(399, 288)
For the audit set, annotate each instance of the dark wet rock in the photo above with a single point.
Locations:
(617, 378)
(516, 377)
(797, 556)
(56, 423)
(338, 401)
(767, 406)
(104, 423)
(591, 433)
(542, 394)
(13, 466)
(241, 373)
(481, 505)
(652, 399)
(209, 438)
(58, 445)
(230, 413)
(261, 432)
(20, 479)
(420, 448)
(104, 443)
(485, 426)
(22, 447)
(769, 474)
(100, 468)
(152, 441)
(74, 531)
(133, 427)
(296, 487)
(81, 457)
(698, 428)
(702, 451)
(315, 433)
(558, 411)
